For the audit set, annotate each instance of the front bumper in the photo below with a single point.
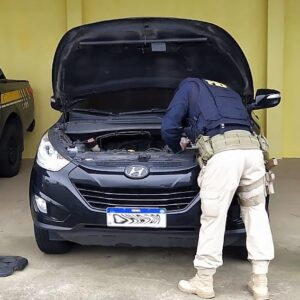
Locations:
(70, 217)
(104, 236)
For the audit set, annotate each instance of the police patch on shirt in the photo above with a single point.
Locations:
(216, 83)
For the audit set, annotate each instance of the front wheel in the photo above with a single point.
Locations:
(242, 252)
(236, 252)
(47, 246)
(11, 145)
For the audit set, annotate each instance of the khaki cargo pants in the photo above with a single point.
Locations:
(224, 173)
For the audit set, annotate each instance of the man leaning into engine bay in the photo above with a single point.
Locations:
(213, 116)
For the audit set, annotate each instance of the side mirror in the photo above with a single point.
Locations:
(2, 76)
(56, 103)
(266, 98)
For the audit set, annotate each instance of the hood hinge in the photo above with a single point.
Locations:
(64, 113)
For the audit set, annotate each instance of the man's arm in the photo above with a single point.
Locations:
(171, 128)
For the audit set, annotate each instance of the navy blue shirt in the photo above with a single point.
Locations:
(179, 116)
(202, 107)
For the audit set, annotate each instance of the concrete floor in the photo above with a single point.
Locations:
(134, 273)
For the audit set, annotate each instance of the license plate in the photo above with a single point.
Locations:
(136, 217)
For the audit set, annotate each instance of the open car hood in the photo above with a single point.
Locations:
(139, 53)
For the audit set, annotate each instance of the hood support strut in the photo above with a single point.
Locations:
(128, 42)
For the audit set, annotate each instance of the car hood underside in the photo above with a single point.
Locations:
(145, 53)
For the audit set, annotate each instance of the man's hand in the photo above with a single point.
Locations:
(184, 143)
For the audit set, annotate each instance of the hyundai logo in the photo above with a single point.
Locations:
(136, 172)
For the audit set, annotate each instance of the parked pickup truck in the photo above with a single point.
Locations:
(16, 117)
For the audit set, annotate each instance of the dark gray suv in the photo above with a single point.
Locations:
(102, 174)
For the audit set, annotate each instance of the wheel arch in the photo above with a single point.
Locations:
(14, 118)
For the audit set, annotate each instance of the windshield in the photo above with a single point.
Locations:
(131, 100)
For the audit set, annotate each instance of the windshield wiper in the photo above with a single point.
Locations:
(148, 111)
(94, 111)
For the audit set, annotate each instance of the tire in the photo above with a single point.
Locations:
(236, 252)
(11, 146)
(242, 252)
(50, 247)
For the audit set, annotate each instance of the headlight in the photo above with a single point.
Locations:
(41, 204)
(48, 158)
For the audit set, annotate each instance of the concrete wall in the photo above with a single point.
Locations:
(31, 30)
(291, 107)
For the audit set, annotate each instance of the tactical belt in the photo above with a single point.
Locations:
(234, 139)
(229, 140)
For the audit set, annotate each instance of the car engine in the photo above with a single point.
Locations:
(120, 141)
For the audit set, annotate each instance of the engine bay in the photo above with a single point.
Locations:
(118, 141)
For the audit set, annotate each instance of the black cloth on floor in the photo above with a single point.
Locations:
(9, 264)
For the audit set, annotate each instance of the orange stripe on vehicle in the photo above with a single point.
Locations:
(11, 96)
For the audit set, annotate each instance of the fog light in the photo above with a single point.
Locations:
(41, 204)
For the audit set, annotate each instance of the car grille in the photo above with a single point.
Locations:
(160, 164)
(170, 199)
